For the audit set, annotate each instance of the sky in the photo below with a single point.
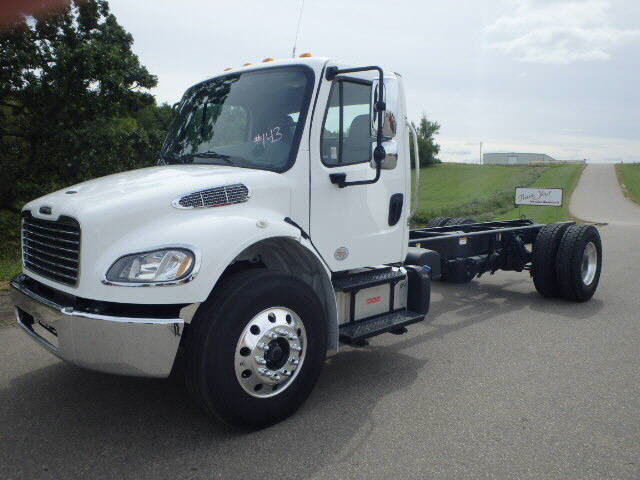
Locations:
(560, 77)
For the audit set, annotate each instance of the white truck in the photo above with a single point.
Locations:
(274, 227)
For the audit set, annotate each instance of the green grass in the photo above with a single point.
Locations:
(565, 177)
(9, 268)
(10, 241)
(629, 178)
(486, 192)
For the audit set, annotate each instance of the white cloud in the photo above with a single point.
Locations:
(558, 31)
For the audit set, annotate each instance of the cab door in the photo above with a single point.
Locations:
(361, 225)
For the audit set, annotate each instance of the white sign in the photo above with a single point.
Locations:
(544, 197)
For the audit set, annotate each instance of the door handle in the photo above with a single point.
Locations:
(395, 208)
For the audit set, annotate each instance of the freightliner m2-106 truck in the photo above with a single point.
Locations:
(274, 227)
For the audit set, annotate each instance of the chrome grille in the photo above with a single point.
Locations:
(52, 248)
(214, 197)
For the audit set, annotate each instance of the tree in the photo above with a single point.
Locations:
(427, 146)
(74, 100)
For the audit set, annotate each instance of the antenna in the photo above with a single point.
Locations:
(293, 53)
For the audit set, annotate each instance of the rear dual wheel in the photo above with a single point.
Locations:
(437, 221)
(545, 249)
(460, 221)
(567, 260)
(579, 262)
(445, 221)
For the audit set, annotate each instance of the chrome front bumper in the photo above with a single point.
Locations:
(128, 346)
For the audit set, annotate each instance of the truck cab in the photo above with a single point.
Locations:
(274, 225)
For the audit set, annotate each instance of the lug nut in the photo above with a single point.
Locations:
(297, 348)
(294, 361)
(263, 346)
(272, 335)
(261, 361)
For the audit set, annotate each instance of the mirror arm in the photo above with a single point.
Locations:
(379, 153)
(340, 179)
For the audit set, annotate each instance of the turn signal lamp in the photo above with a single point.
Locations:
(268, 59)
(305, 55)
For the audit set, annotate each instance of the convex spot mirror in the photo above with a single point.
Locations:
(390, 160)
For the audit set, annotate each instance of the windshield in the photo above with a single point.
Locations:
(251, 119)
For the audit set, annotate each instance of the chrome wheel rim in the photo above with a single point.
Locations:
(589, 263)
(270, 352)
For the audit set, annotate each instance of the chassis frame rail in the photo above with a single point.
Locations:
(473, 249)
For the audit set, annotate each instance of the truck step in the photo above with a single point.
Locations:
(357, 332)
(369, 278)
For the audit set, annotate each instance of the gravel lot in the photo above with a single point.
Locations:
(496, 383)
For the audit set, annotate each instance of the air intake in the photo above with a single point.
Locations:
(214, 197)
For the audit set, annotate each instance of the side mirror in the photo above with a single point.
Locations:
(390, 160)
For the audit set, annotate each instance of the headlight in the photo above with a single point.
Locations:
(166, 265)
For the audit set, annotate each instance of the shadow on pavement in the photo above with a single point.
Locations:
(62, 421)
(478, 298)
(478, 302)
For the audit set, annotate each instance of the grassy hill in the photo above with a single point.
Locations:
(629, 178)
(565, 177)
(486, 192)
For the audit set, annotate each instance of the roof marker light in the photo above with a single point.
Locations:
(268, 59)
(227, 69)
(305, 55)
(247, 64)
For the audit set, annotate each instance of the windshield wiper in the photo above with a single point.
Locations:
(210, 154)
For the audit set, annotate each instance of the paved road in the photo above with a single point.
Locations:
(498, 383)
(598, 198)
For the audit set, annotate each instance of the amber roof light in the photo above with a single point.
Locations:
(305, 55)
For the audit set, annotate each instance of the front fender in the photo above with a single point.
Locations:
(218, 241)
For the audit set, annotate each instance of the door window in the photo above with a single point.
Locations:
(346, 132)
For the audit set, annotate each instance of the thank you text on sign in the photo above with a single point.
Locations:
(544, 197)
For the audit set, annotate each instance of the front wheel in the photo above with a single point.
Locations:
(255, 348)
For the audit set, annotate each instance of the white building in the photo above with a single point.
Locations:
(516, 159)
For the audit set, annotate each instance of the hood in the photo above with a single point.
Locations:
(150, 190)
(133, 212)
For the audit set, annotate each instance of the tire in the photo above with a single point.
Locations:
(453, 221)
(437, 222)
(543, 268)
(579, 262)
(215, 362)
(459, 221)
